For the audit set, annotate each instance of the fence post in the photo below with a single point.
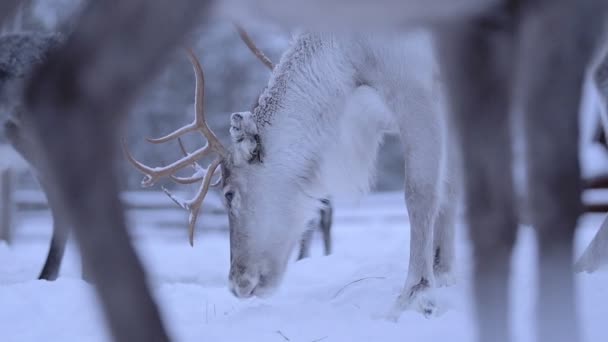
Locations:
(6, 205)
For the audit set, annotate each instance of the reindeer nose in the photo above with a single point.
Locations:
(243, 283)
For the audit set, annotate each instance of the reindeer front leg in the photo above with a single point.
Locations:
(443, 235)
(421, 137)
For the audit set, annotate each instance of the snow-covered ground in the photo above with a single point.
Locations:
(315, 302)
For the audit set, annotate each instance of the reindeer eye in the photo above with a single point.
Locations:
(229, 196)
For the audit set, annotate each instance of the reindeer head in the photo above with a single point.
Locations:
(267, 210)
(260, 209)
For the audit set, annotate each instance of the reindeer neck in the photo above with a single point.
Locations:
(310, 75)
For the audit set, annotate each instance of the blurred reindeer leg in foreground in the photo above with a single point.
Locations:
(75, 103)
(477, 58)
(596, 254)
(550, 106)
(551, 114)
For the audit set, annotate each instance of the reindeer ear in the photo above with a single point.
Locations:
(244, 134)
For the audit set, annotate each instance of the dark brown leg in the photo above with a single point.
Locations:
(327, 213)
(477, 58)
(75, 103)
(22, 143)
(305, 243)
(59, 239)
(550, 79)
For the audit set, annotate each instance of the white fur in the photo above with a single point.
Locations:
(243, 132)
(348, 165)
(320, 122)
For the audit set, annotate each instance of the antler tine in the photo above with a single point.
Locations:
(187, 180)
(152, 175)
(218, 181)
(199, 122)
(254, 49)
(198, 170)
(197, 177)
(175, 134)
(199, 106)
(195, 165)
(194, 205)
(199, 111)
(138, 165)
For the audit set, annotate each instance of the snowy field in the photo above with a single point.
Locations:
(315, 302)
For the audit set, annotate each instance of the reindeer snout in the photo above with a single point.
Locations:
(242, 289)
(246, 282)
(242, 282)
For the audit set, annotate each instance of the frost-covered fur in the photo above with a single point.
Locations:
(18, 53)
(318, 126)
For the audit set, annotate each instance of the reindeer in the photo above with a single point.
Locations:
(500, 58)
(488, 49)
(492, 64)
(315, 130)
(19, 53)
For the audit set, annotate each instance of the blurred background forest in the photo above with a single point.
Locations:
(234, 80)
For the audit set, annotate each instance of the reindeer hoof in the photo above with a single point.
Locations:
(418, 298)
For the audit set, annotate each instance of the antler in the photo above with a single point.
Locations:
(254, 49)
(153, 174)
